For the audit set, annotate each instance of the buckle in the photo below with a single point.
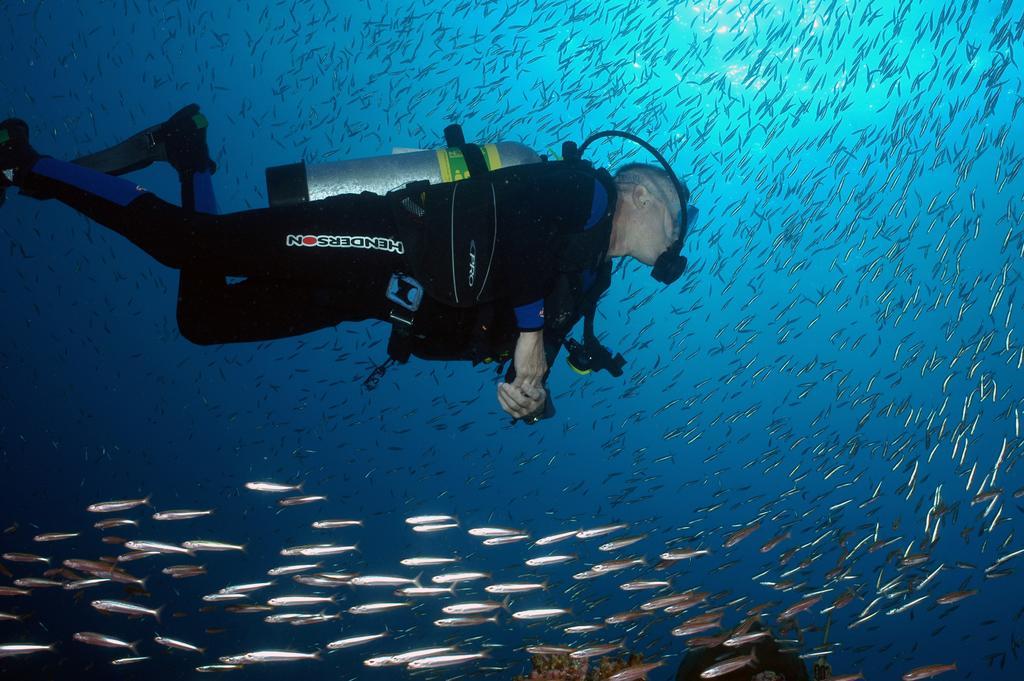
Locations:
(405, 292)
(403, 319)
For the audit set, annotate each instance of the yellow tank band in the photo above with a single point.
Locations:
(453, 165)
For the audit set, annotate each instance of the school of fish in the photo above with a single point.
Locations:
(825, 417)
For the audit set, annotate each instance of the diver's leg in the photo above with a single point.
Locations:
(329, 241)
(354, 230)
(212, 311)
(259, 309)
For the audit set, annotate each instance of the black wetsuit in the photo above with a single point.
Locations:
(305, 267)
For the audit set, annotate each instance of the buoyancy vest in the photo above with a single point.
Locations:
(504, 236)
(496, 241)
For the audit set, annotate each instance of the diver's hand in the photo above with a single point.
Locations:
(521, 402)
(530, 361)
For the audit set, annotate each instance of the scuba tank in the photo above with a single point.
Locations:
(301, 182)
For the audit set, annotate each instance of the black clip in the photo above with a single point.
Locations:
(405, 292)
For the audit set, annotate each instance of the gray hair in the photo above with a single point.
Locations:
(652, 178)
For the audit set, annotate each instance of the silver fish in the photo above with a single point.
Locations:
(272, 487)
(183, 514)
(123, 608)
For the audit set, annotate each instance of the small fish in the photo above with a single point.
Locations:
(335, 524)
(55, 536)
(113, 506)
(207, 668)
(355, 641)
(453, 577)
(739, 535)
(464, 621)
(413, 591)
(103, 641)
(208, 545)
(738, 640)
(405, 658)
(261, 656)
(111, 523)
(300, 501)
(616, 565)
(774, 541)
(17, 649)
(183, 514)
(637, 671)
(329, 580)
(246, 588)
(224, 598)
(954, 596)
(315, 550)
(248, 609)
(541, 561)
(382, 580)
(540, 613)
(38, 583)
(553, 538)
(515, 587)
(123, 608)
(16, 557)
(729, 666)
(434, 527)
(474, 608)
(157, 547)
(493, 532)
(928, 671)
(427, 561)
(13, 591)
(183, 571)
(86, 583)
(583, 628)
(272, 487)
(178, 645)
(444, 660)
(595, 650)
(429, 519)
(798, 607)
(600, 531)
(293, 569)
(684, 554)
(549, 650)
(372, 608)
(288, 601)
(508, 539)
(622, 543)
(127, 660)
(641, 585)
(622, 617)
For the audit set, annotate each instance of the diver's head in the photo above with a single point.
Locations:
(647, 221)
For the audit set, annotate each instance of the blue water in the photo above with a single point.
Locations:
(833, 315)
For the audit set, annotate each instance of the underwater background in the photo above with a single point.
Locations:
(838, 363)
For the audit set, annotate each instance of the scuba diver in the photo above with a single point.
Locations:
(489, 262)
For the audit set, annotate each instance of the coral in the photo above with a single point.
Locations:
(612, 665)
(556, 668)
(565, 668)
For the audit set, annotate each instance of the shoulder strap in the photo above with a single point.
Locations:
(475, 162)
(587, 249)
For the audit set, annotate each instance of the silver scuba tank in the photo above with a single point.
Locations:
(300, 182)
